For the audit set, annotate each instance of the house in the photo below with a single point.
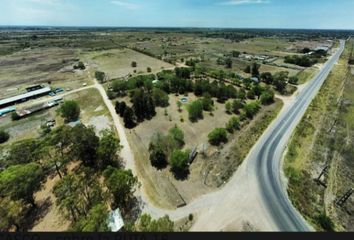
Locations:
(24, 97)
(115, 221)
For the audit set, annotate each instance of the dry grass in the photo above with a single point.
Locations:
(117, 63)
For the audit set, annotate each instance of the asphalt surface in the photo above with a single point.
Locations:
(267, 155)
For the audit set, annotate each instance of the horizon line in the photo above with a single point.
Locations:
(172, 27)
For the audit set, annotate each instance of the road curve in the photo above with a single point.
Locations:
(268, 155)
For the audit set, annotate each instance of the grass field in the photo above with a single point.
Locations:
(117, 63)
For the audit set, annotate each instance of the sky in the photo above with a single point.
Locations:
(309, 14)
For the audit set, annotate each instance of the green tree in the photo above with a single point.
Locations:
(57, 150)
(233, 124)
(267, 97)
(228, 63)
(294, 80)
(280, 81)
(77, 194)
(4, 136)
(159, 149)
(149, 70)
(129, 118)
(218, 136)
(228, 107)
(121, 184)
(179, 161)
(195, 111)
(107, 149)
(86, 143)
(146, 224)
(236, 106)
(70, 111)
(81, 65)
(160, 97)
(12, 213)
(252, 109)
(143, 105)
(100, 76)
(20, 182)
(120, 108)
(208, 103)
(96, 220)
(236, 54)
(23, 152)
(267, 77)
(177, 135)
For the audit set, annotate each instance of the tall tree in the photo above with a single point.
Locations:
(86, 143)
(20, 182)
(96, 220)
(107, 149)
(70, 111)
(121, 184)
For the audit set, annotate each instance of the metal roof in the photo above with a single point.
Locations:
(25, 96)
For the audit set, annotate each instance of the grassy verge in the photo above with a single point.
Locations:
(311, 148)
(246, 139)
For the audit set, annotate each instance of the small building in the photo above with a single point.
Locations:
(115, 221)
(24, 97)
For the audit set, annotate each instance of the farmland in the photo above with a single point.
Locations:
(195, 101)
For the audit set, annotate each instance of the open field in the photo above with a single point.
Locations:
(117, 63)
(323, 139)
(40, 66)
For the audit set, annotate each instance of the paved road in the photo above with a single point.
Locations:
(268, 154)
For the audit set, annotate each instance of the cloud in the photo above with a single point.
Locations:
(127, 5)
(244, 2)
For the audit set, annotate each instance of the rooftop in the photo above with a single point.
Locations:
(25, 96)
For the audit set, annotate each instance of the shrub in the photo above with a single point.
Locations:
(233, 124)
(252, 109)
(4, 136)
(134, 64)
(325, 222)
(218, 136)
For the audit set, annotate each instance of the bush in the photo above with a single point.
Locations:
(252, 109)
(294, 80)
(233, 124)
(15, 116)
(325, 222)
(70, 111)
(134, 64)
(149, 70)
(4, 136)
(218, 136)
